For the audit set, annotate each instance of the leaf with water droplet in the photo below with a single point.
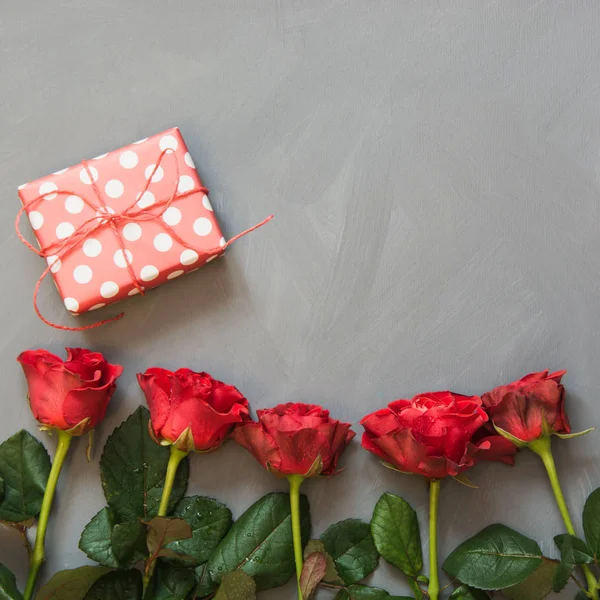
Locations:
(267, 554)
(237, 586)
(133, 469)
(207, 531)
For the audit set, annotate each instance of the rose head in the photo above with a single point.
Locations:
(71, 395)
(191, 410)
(529, 408)
(435, 434)
(295, 439)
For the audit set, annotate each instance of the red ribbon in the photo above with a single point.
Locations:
(60, 248)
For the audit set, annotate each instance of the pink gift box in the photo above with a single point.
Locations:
(160, 222)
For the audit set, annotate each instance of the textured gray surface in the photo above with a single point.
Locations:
(434, 167)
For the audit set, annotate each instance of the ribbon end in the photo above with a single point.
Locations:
(247, 231)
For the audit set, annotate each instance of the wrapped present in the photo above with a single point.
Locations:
(122, 223)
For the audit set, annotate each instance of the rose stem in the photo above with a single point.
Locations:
(174, 459)
(543, 448)
(434, 496)
(295, 483)
(37, 557)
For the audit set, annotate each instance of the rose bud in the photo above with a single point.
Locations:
(531, 408)
(191, 410)
(69, 395)
(435, 434)
(295, 439)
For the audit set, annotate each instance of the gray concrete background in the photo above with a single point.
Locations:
(434, 167)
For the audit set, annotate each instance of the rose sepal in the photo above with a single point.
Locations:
(568, 436)
(515, 440)
(464, 480)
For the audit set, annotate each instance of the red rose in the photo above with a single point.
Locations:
(71, 395)
(435, 434)
(529, 408)
(295, 439)
(191, 410)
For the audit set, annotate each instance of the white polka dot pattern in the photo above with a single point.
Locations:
(82, 274)
(109, 289)
(36, 219)
(163, 242)
(92, 247)
(46, 187)
(179, 239)
(74, 204)
(202, 226)
(114, 188)
(122, 260)
(148, 273)
(84, 175)
(129, 159)
(132, 232)
(71, 304)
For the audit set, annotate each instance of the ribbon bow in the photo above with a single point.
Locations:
(107, 217)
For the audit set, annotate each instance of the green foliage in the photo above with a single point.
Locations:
(163, 531)
(496, 558)
(331, 574)
(133, 469)
(172, 582)
(118, 585)
(313, 572)
(236, 586)
(464, 592)
(351, 546)
(591, 522)
(573, 551)
(395, 531)
(537, 586)
(72, 584)
(129, 541)
(24, 468)
(8, 585)
(365, 592)
(209, 521)
(113, 545)
(95, 539)
(259, 543)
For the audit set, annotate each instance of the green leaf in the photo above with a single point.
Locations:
(537, 586)
(464, 592)
(8, 585)
(395, 531)
(591, 522)
(24, 468)
(1, 489)
(172, 582)
(118, 585)
(561, 576)
(95, 539)
(496, 558)
(351, 546)
(313, 571)
(573, 551)
(133, 469)
(260, 544)
(72, 584)
(331, 574)
(209, 520)
(365, 592)
(236, 586)
(164, 530)
(128, 541)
